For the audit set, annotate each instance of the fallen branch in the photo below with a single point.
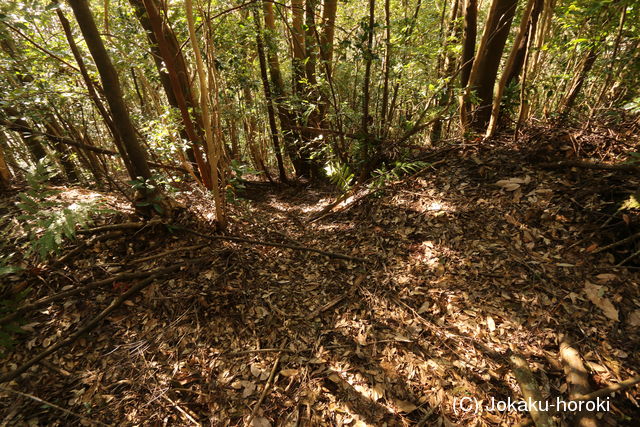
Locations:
(618, 243)
(92, 324)
(577, 379)
(611, 389)
(273, 244)
(589, 165)
(627, 259)
(530, 391)
(266, 388)
(165, 253)
(120, 226)
(66, 257)
(53, 405)
(60, 295)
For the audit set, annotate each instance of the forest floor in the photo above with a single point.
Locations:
(482, 253)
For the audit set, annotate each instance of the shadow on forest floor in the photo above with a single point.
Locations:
(485, 250)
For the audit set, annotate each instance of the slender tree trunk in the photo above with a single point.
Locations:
(5, 173)
(290, 137)
(268, 96)
(329, 10)
(93, 94)
(113, 93)
(33, 142)
(63, 151)
(448, 63)
(368, 156)
(587, 64)
(387, 69)
(487, 61)
(508, 69)
(298, 41)
(175, 80)
(214, 150)
(470, 27)
(525, 41)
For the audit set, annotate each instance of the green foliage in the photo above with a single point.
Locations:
(146, 187)
(45, 218)
(339, 174)
(236, 179)
(399, 169)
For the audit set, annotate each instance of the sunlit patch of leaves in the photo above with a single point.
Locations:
(46, 220)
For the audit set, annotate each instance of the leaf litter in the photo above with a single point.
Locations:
(483, 254)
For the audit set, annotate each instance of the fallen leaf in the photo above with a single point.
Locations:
(634, 318)
(405, 406)
(491, 324)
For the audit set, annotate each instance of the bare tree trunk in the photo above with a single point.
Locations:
(526, 41)
(387, 69)
(214, 150)
(511, 62)
(91, 89)
(177, 74)
(470, 28)
(487, 61)
(290, 137)
(268, 96)
(113, 93)
(298, 41)
(587, 64)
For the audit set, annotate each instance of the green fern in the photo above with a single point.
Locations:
(46, 220)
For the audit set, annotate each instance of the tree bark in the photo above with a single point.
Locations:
(487, 60)
(508, 69)
(113, 94)
(470, 28)
(175, 80)
(214, 149)
(268, 96)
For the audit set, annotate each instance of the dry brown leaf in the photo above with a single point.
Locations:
(404, 405)
(289, 372)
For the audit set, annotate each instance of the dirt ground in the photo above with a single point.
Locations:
(486, 252)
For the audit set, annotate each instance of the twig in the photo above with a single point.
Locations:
(53, 405)
(121, 226)
(611, 389)
(266, 388)
(627, 259)
(86, 328)
(589, 165)
(273, 244)
(171, 251)
(46, 300)
(83, 245)
(182, 411)
(618, 243)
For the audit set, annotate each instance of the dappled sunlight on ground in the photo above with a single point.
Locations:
(460, 271)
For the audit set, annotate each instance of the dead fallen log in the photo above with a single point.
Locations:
(577, 379)
(272, 244)
(92, 324)
(583, 164)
